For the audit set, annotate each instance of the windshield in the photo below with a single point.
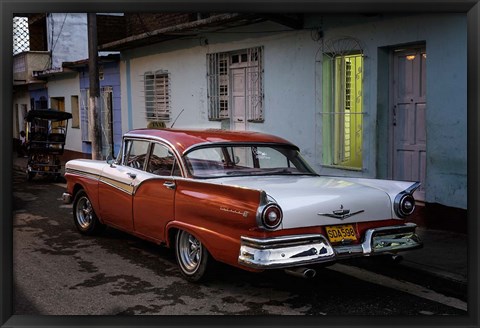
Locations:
(245, 160)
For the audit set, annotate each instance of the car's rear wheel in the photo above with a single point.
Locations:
(192, 256)
(84, 217)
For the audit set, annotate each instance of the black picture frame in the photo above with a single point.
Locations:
(8, 7)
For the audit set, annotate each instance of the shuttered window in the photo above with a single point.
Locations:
(157, 96)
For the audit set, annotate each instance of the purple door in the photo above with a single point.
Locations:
(409, 114)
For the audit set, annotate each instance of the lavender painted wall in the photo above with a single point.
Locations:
(111, 78)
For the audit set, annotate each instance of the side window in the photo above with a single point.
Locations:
(136, 152)
(162, 161)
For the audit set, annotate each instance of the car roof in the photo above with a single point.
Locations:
(183, 140)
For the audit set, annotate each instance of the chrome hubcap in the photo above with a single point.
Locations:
(190, 251)
(84, 212)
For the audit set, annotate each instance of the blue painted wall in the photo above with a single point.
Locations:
(111, 77)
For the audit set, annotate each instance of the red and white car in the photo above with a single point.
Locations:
(243, 198)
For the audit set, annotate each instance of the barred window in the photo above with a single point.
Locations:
(218, 86)
(157, 96)
(342, 110)
(21, 35)
(219, 67)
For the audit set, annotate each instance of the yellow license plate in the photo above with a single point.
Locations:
(341, 233)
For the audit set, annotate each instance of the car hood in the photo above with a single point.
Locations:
(311, 201)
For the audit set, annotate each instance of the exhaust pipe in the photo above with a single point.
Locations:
(301, 272)
(396, 258)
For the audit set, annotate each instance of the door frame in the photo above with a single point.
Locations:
(391, 102)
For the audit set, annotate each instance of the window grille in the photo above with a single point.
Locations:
(218, 91)
(219, 83)
(343, 104)
(254, 85)
(157, 96)
(21, 35)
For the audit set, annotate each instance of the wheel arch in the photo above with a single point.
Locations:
(77, 186)
(173, 227)
(221, 247)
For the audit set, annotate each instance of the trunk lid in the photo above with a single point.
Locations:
(313, 201)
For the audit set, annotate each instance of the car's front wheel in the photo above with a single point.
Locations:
(192, 256)
(84, 217)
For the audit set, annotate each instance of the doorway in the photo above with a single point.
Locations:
(409, 106)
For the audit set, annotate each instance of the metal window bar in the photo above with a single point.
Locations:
(218, 89)
(157, 96)
(255, 85)
(349, 73)
(218, 80)
(21, 35)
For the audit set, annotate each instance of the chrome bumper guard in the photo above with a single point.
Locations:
(296, 250)
(67, 198)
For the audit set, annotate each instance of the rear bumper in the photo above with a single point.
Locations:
(296, 250)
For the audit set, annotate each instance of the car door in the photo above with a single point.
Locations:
(154, 196)
(118, 182)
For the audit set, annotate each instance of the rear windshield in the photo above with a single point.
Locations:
(245, 160)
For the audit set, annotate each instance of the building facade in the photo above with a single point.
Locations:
(370, 96)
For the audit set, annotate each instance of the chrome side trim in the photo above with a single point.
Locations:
(82, 173)
(412, 188)
(122, 186)
(298, 250)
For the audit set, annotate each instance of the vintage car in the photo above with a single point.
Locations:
(246, 199)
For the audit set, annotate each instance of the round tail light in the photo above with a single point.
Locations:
(404, 205)
(272, 216)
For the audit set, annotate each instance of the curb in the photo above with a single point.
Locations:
(436, 272)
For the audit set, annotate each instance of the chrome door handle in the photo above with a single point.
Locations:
(169, 184)
(131, 175)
